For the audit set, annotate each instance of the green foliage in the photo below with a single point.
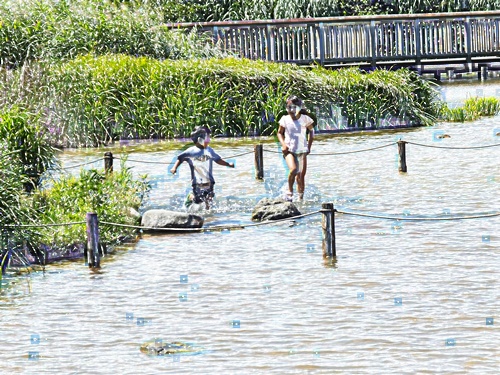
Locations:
(223, 10)
(27, 139)
(472, 109)
(50, 29)
(71, 198)
(13, 207)
(95, 100)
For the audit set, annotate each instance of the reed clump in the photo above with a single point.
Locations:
(34, 30)
(91, 100)
(70, 198)
(473, 109)
(222, 10)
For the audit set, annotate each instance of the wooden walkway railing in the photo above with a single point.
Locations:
(406, 40)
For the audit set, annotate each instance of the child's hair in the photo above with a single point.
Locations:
(295, 100)
(199, 132)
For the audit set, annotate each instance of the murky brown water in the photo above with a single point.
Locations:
(415, 299)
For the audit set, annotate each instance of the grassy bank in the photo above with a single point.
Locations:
(94, 100)
(27, 157)
(48, 30)
(67, 201)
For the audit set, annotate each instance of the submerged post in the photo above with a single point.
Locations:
(259, 162)
(402, 156)
(482, 72)
(108, 162)
(328, 227)
(93, 256)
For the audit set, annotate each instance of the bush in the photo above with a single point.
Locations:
(95, 100)
(27, 141)
(472, 109)
(71, 197)
(49, 29)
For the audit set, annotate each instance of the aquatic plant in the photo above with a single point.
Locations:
(15, 207)
(95, 100)
(27, 141)
(70, 198)
(222, 10)
(472, 109)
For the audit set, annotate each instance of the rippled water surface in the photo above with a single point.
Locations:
(401, 297)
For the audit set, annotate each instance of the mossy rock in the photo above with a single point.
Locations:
(160, 348)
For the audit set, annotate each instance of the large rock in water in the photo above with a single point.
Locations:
(274, 209)
(170, 219)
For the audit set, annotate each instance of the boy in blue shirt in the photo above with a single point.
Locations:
(200, 158)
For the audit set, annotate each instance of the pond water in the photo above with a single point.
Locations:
(400, 297)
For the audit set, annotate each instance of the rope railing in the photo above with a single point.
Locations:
(339, 153)
(94, 249)
(419, 218)
(259, 162)
(453, 147)
(82, 164)
(214, 228)
(13, 226)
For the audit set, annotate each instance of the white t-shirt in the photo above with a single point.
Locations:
(295, 132)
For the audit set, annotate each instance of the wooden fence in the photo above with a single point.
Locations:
(405, 40)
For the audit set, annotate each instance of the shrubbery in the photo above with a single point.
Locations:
(70, 198)
(94, 100)
(63, 29)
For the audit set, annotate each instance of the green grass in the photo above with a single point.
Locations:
(70, 198)
(27, 140)
(472, 109)
(91, 101)
(221, 10)
(48, 30)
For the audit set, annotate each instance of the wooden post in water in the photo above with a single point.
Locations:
(108, 162)
(402, 156)
(93, 256)
(482, 72)
(328, 227)
(259, 162)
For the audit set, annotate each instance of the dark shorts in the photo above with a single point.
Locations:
(201, 193)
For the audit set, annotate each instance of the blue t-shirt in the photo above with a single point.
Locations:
(200, 161)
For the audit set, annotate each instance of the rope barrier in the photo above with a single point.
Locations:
(454, 148)
(341, 153)
(82, 164)
(144, 161)
(42, 225)
(267, 222)
(210, 229)
(243, 153)
(162, 162)
(477, 216)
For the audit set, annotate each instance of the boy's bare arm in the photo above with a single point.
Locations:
(176, 165)
(225, 163)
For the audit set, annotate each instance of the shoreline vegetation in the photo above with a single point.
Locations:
(88, 73)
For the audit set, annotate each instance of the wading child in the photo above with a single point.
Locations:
(296, 134)
(200, 158)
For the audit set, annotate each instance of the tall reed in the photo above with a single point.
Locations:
(94, 100)
(222, 10)
(63, 29)
(472, 109)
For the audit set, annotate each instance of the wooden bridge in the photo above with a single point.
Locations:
(469, 39)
